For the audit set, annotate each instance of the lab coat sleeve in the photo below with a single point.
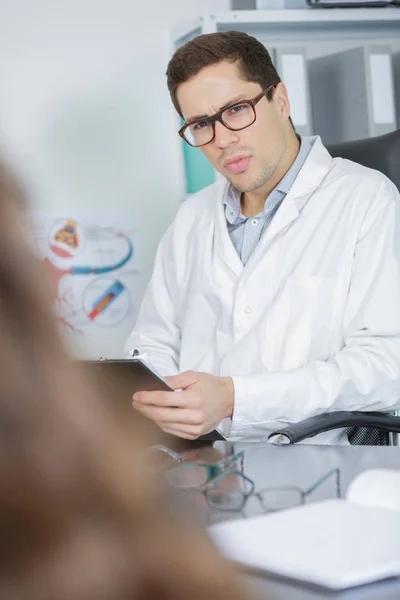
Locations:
(156, 333)
(365, 374)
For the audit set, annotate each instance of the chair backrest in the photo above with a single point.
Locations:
(363, 436)
(381, 153)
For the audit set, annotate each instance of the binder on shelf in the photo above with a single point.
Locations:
(292, 66)
(396, 74)
(267, 4)
(353, 94)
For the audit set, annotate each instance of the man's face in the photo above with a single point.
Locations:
(247, 158)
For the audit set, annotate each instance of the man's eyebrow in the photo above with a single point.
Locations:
(233, 101)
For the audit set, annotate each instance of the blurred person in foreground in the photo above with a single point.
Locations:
(80, 515)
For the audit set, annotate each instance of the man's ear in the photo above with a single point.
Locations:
(281, 100)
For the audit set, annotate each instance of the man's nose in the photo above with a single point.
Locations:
(224, 137)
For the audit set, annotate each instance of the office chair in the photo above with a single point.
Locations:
(363, 428)
(381, 153)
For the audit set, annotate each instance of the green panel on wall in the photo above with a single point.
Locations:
(199, 171)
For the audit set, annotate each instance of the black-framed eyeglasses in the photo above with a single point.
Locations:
(232, 489)
(192, 475)
(235, 117)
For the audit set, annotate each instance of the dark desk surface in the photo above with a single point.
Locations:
(302, 465)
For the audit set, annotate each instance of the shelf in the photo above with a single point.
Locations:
(341, 22)
(310, 15)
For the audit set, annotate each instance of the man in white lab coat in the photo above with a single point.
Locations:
(275, 294)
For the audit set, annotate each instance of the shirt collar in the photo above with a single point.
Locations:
(232, 196)
(288, 180)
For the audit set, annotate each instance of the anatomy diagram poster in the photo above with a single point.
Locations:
(93, 265)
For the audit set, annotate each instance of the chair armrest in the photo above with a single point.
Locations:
(310, 427)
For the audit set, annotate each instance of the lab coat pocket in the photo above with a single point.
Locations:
(299, 324)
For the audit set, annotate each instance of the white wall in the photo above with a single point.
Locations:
(85, 116)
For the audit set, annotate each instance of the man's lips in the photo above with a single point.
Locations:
(237, 164)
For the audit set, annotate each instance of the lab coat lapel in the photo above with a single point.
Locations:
(314, 170)
(286, 214)
(223, 242)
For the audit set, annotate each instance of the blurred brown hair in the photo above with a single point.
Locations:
(80, 516)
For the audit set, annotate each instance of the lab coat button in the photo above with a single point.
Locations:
(247, 310)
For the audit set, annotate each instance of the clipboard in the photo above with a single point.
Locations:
(131, 375)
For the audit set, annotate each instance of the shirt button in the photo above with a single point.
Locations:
(254, 222)
(247, 310)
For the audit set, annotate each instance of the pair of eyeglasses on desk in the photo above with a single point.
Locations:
(231, 491)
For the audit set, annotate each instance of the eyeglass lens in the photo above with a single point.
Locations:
(229, 492)
(236, 117)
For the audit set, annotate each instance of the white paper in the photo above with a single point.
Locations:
(336, 544)
(293, 75)
(376, 487)
(382, 89)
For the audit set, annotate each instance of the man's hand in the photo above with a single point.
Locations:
(201, 405)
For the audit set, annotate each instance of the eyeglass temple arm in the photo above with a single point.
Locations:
(324, 478)
(231, 458)
(326, 422)
(161, 448)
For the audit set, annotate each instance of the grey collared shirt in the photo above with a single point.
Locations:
(246, 232)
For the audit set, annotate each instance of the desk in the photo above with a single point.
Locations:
(302, 465)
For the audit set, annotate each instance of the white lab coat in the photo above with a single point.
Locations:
(312, 322)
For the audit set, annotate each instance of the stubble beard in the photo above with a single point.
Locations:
(260, 180)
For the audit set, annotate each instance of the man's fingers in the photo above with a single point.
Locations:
(183, 380)
(189, 432)
(160, 398)
(157, 413)
(175, 421)
(164, 415)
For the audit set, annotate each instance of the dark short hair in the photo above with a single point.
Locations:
(253, 59)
